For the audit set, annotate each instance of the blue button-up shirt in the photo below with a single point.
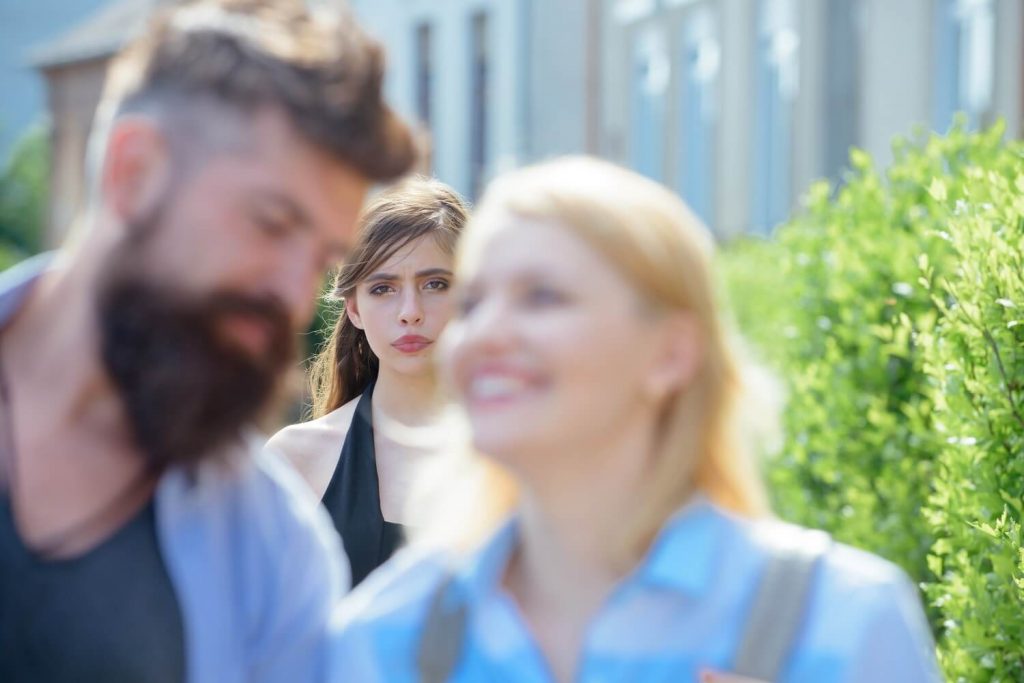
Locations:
(253, 558)
(680, 611)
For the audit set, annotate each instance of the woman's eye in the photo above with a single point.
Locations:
(544, 296)
(437, 285)
(381, 290)
(467, 304)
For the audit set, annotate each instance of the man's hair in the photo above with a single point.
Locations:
(239, 56)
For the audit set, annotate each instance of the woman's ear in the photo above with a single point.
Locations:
(352, 311)
(678, 354)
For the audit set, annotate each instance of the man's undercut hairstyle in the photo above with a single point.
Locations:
(320, 70)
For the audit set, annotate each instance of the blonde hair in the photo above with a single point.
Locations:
(665, 252)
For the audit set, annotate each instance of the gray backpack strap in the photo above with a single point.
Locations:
(778, 609)
(444, 629)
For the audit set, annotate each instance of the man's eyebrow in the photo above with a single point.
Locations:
(287, 207)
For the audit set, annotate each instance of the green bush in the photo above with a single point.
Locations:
(976, 356)
(857, 304)
(23, 192)
(8, 257)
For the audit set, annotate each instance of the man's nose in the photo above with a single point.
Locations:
(297, 287)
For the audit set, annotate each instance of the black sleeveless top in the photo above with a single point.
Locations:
(109, 615)
(353, 497)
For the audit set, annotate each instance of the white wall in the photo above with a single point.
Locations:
(1009, 64)
(394, 23)
(896, 72)
(738, 102)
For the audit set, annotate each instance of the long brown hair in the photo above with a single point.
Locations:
(345, 365)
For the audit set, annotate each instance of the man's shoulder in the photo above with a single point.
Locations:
(17, 281)
(249, 493)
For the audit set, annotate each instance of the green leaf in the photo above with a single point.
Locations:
(937, 190)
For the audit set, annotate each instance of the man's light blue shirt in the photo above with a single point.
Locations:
(681, 610)
(254, 560)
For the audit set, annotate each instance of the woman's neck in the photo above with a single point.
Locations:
(573, 522)
(570, 554)
(405, 408)
(411, 400)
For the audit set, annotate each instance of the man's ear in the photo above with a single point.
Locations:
(678, 355)
(352, 311)
(136, 168)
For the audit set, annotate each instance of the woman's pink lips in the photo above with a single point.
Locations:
(411, 343)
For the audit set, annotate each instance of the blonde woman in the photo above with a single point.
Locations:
(602, 394)
(377, 367)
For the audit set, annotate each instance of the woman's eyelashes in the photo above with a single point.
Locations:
(381, 290)
(437, 284)
(432, 285)
(542, 295)
(467, 301)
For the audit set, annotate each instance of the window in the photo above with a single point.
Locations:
(479, 96)
(964, 61)
(424, 74)
(701, 57)
(778, 83)
(651, 72)
(423, 71)
(842, 84)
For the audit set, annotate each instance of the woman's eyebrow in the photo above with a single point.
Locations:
(428, 272)
(434, 272)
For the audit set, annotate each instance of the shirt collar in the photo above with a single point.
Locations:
(482, 573)
(686, 551)
(683, 556)
(17, 281)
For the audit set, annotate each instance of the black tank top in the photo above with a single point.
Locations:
(353, 497)
(109, 615)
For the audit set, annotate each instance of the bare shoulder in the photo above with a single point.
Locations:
(302, 440)
(313, 447)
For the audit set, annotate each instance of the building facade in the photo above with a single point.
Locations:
(738, 105)
(494, 83)
(74, 66)
(22, 26)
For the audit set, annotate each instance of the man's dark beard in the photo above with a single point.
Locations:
(187, 390)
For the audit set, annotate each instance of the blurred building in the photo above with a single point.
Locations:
(74, 65)
(740, 104)
(22, 26)
(736, 104)
(496, 83)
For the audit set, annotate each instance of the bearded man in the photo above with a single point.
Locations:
(143, 536)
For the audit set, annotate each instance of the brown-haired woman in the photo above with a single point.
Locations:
(376, 369)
